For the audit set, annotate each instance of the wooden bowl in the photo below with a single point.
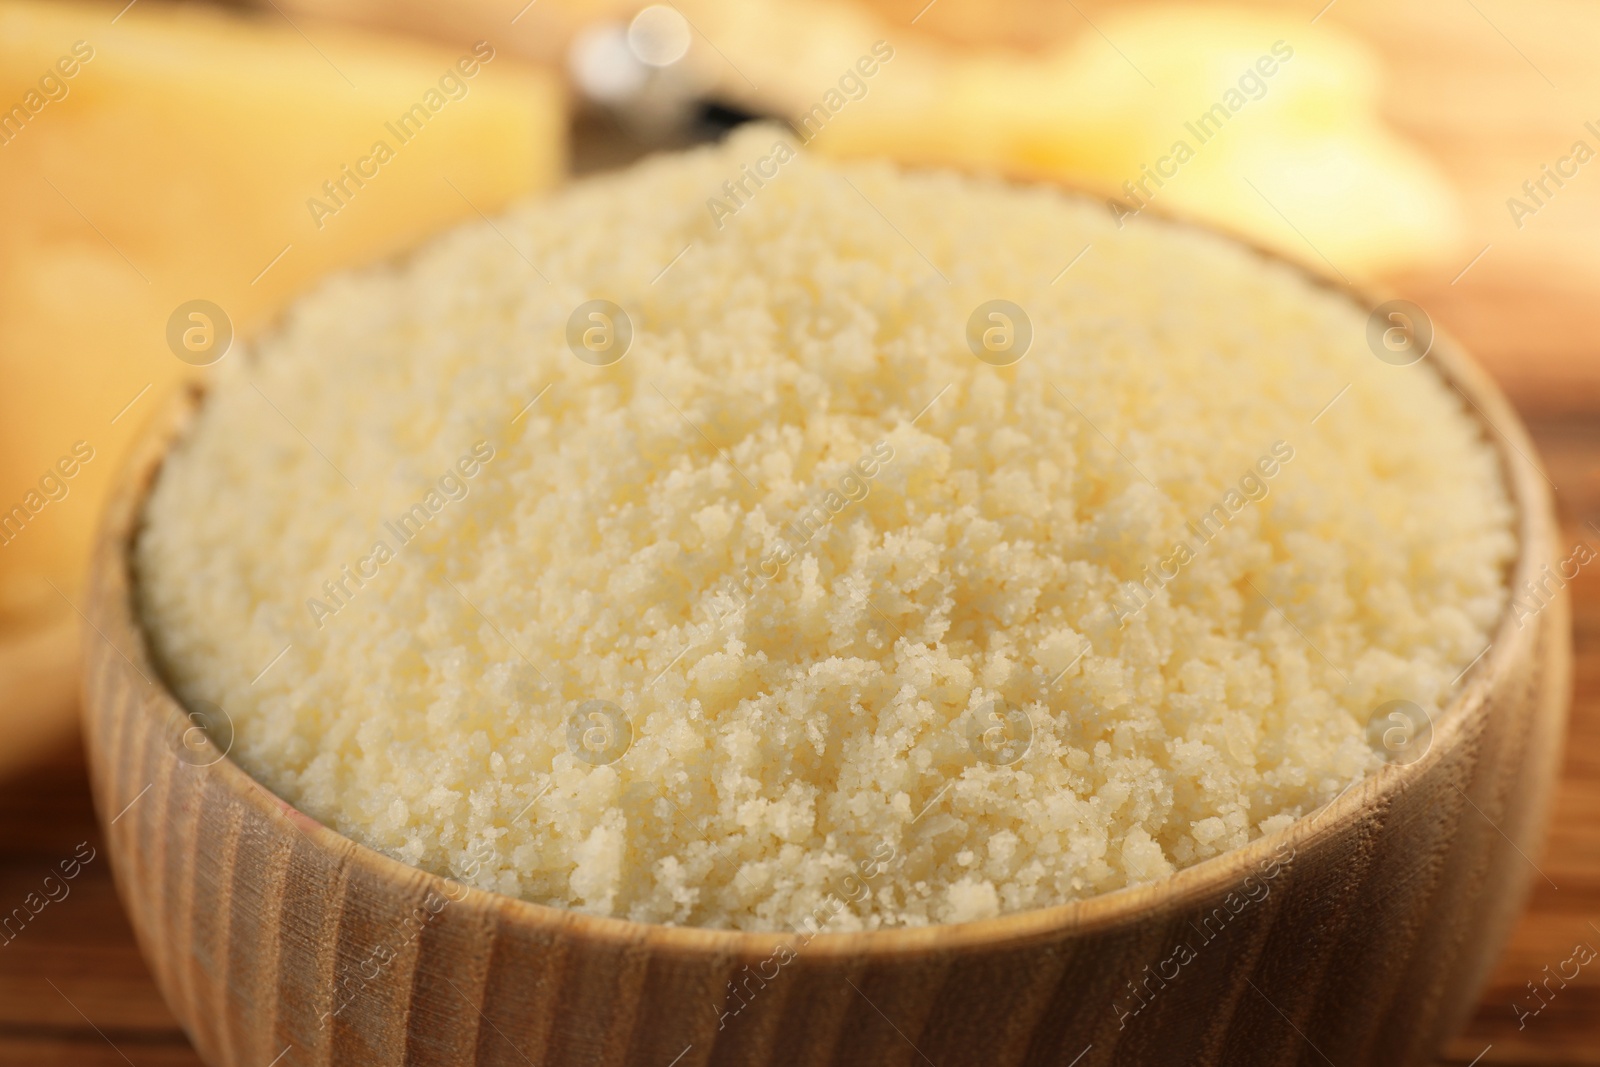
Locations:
(1360, 934)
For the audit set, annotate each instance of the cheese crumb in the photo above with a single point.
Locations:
(812, 608)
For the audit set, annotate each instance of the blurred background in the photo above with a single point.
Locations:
(172, 174)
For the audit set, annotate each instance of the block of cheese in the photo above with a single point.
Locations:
(155, 156)
(172, 154)
(1034, 89)
(1254, 96)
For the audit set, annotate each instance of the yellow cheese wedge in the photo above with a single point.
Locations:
(1244, 118)
(157, 155)
(1302, 160)
(1287, 145)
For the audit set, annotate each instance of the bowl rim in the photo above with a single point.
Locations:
(1525, 482)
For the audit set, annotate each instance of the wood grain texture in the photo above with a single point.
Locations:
(271, 935)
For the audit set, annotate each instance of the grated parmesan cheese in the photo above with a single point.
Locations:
(799, 613)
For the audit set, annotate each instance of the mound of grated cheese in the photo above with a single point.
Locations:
(801, 615)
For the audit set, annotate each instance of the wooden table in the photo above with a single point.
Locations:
(74, 991)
